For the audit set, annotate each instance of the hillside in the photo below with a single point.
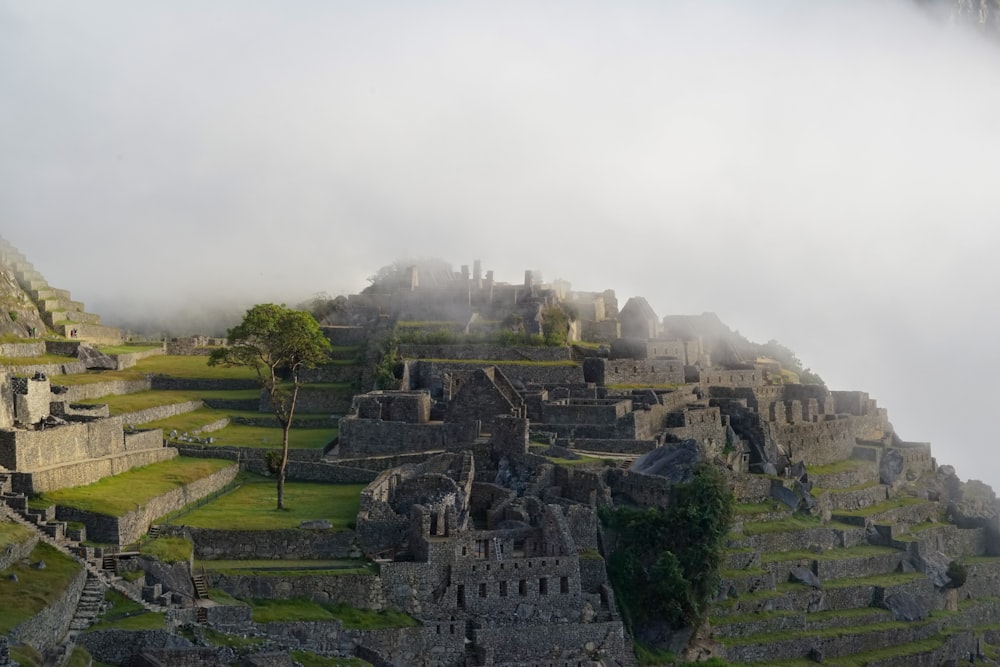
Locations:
(541, 478)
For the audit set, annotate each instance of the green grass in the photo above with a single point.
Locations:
(25, 655)
(884, 506)
(168, 549)
(178, 366)
(34, 589)
(127, 349)
(859, 551)
(78, 658)
(496, 362)
(285, 568)
(119, 404)
(235, 642)
(267, 611)
(844, 465)
(309, 659)
(14, 533)
(125, 614)
(251, 506)
(120, 494)
(36, 361)
(797, 522)
(242, 435)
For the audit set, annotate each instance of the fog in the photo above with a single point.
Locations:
(822, 173)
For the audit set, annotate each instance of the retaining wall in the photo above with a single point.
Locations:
(268, 544)
(129, 528)
(46, 628)
(81, 473)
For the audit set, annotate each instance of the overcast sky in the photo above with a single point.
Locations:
(824, 172)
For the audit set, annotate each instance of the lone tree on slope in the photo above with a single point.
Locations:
(277, 342)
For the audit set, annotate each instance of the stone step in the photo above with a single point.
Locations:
(858, 498)
(48, 293)
(56, 304)
(855, 472)
(54, 529)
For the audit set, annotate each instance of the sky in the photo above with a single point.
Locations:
(820, 173)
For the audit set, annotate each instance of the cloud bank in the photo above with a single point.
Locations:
(822, 173)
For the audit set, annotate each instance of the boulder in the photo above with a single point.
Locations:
(784, 495)
(803, 575)
(93, 359)
(907, 606)
(890, 467)
(676, 462)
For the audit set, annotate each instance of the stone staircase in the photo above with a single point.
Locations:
(796, 588)
(56, 308)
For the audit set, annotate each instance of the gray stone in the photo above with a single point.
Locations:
(676, 462)
(890, 467)
(785, 495)
(907, 606)
(40, 565)
(316, 524)
(935, 565)
(94, 359)
(525, 611)
(804, 575)
(798, 471)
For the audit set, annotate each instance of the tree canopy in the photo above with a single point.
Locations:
(277, 342)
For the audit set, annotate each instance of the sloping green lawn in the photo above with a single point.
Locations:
(120, 494)
(34, 589)
(251, 506)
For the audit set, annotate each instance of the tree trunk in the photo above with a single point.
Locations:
(286, 427)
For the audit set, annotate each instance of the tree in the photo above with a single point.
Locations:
(277, 342)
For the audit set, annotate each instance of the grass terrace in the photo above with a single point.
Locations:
(128, 349)
(34, 589)
(120, 494)
(13, 533)
(266, 611)
(243, 435)
(286, 568)
(177, 366)
(251, 506)
(125, 614)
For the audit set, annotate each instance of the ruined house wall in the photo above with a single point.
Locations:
(602, 331)
(28, 450)
(652, 372)
(6, 401)
(583, 411)
(815, 443)
(732, 378)
(486, 352)
(368, 437)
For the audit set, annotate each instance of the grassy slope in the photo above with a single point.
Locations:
(251, 506)
(122, 493)
(34, 589)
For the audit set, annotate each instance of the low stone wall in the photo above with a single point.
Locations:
(81, 473)
(158, 412)
(485, 352)
(129, 528)
(52, 370)
(180, 384)
(858, 498)
(46, 628)
(130, 359)
(84, 392)
(358, 590)
(35, 349)
(268, 544)
(117, 646)
(553, 644)
(614, 446)
(16, 551)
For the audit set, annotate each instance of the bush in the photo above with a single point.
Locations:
(957, 574)
(664, 563)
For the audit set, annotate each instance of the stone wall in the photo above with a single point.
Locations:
(424, 372)
(6, 401)
(81, 473)
(35, 349)
(46, 628)
(316, 399)
(553, 645)
(130, 359)
(15, 551)
(116, 646)
(357, 590)
(129, 528)
(486, 352)
(158, 412)
(30, 450)
(267, 544)
(651, 372)
(82, 392)
(369, 437)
